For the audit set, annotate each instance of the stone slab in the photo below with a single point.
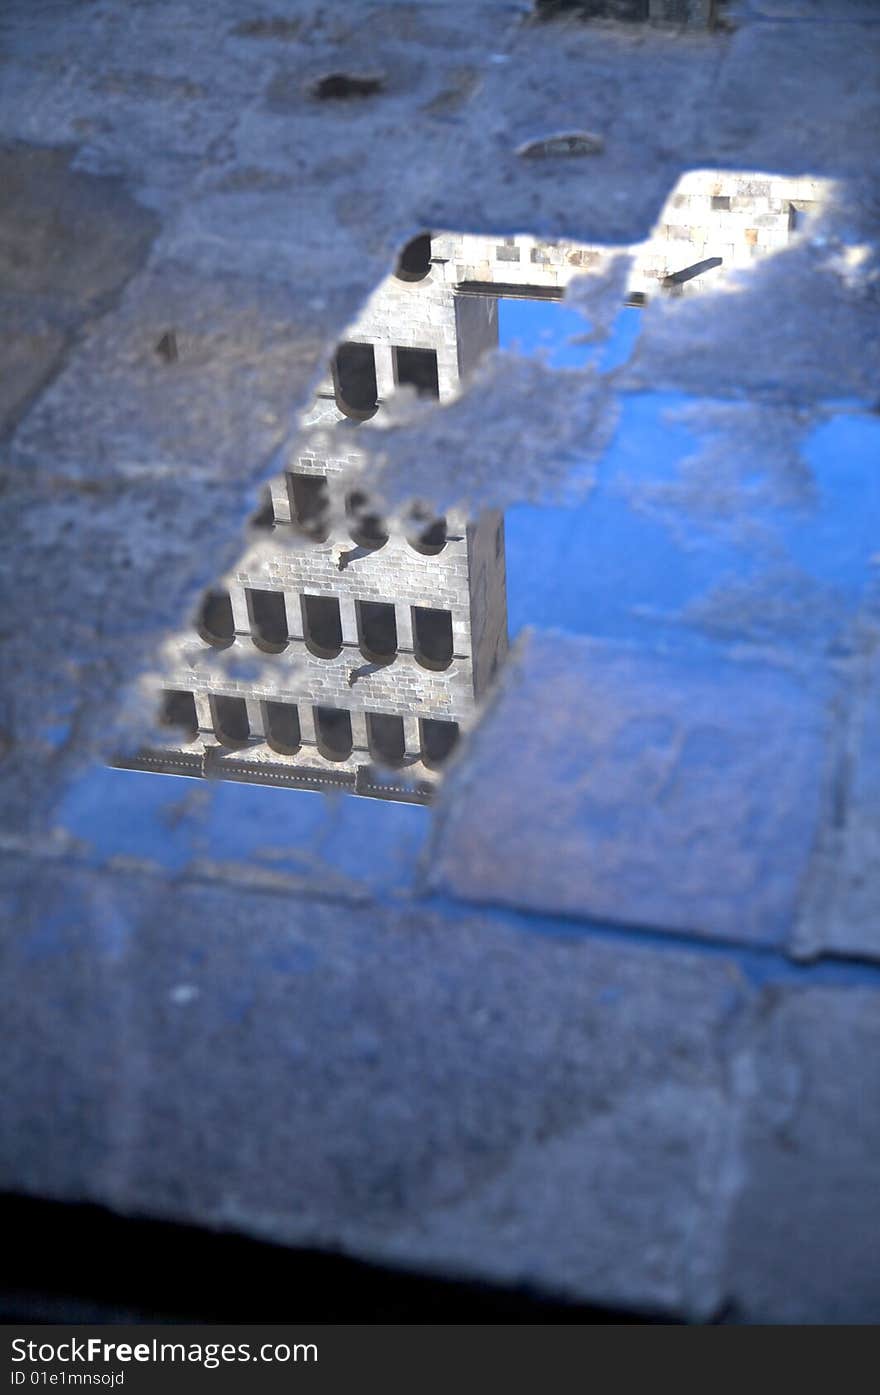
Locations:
(625, 1123)
(842, 913)
(647, 789)
(804, 1240)
(446, 1092)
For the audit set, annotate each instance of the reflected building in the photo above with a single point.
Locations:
(372, 639)
(376, 637)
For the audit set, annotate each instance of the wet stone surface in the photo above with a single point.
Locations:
(438, 725)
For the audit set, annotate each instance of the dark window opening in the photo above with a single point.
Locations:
(430, 535)
(309, 504)
(499, 542)
(268, 620)
(432, 635)
(231, 725)
(354, 381)
(417, 368)
(414, 262)
(367, 528)
(721, 201)
(385, 738)
(322, 626)
(507, 252)
(377, 630)
(264, 518)
(282, 727)
(333, 733)
(439, 740)
(178, 712)
(215, 624)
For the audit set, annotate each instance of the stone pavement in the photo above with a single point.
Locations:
(617, 1036)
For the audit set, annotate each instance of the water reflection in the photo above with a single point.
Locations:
(377, 636)
(683, 14)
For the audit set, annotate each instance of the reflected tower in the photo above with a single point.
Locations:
(373, 638)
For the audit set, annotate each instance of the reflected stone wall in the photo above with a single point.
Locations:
(730, 216)
(404, 563)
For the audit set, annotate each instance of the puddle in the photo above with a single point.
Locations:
(349, 651)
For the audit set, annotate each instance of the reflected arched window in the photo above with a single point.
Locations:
(439, 739)
(377, 630)
(178, 713)
(281, 721)
(414, 262)
(365, 525)
(231, 725)
(333, 733)
(264, 518)
(354, 381)
(432, 637)
(427, 535)
(309, 505)
(385, 737)
(268, 617)
(215, 623)
(322, 626)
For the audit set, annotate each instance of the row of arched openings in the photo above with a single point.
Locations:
(333, 732)
(356, 387)
(309, 499)
(433, 641)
